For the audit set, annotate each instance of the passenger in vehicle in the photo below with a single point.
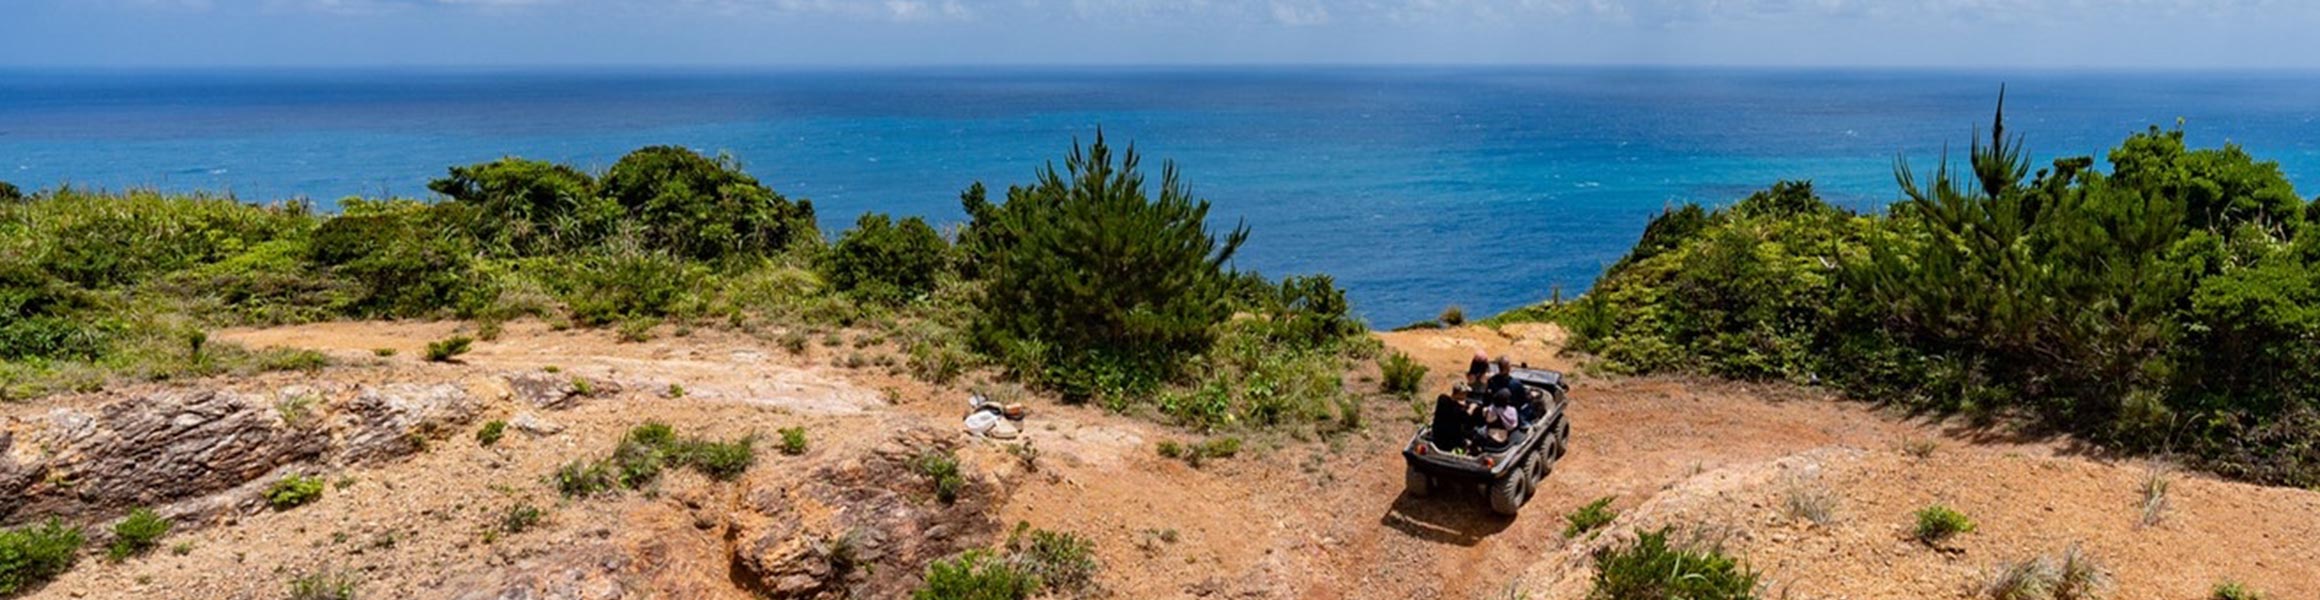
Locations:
(1456, 419)
(1518, 396)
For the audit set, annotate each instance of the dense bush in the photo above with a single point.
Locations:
(703, 208)
(883, 260)
(1937, 522)
(33, 554)
(529, 207)
(406, 257)
(2168, 303)
(1400, 375)
(1651, 567)
(1095, 286)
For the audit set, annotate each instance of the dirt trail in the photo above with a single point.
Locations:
(1317, 519)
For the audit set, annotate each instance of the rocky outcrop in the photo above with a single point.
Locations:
(861, 528)
(555, 391)
(182, 445)
(396, 420)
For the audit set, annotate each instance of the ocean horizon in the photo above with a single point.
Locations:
(1415, 187)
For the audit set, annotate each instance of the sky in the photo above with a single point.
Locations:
(2170, 34)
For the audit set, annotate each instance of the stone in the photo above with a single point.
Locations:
(557, 391)
(161, 448)
(534, 424)
(394, 420)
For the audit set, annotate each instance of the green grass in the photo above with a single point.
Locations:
(1060, 561)
(137, 534)
(324, 584)
(645, 452)
(1400, 375)
(1651, 567)
(976, 575)
(520, 518)
(2233, 590)
(793, 440)
(491, 432)
(33, 554)
(293, 491)
(446, 349)
(1937, 523)
(1594, 515)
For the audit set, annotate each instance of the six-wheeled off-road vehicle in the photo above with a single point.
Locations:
(1508, 471)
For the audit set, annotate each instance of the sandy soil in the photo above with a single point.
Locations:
(1323, 518)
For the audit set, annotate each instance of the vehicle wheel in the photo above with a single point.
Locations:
(1562, 437)
(1416, 482)
(1507, 495)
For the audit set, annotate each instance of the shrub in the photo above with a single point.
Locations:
(33, 554)
(1452, 316)
(942, 470)
(582, 478)
(383, 352)
(629, 286)
(324, 584)
(1588, 518)
(653, 434)
(520, 518)
(400, 253)
(1093, 287)
(1936, 523)
(527, 207)
(975, 575)
(293, 491)
(10, 193)
(491, 432)
(136, 534)
(2079, 576)
(793, 440)
(1652, 568)
(722, 461)
(1401, 375)
(2232, 590)
(1059, 562)
(446, 349)
(703, 208)
(2029, 579)
(887, 261)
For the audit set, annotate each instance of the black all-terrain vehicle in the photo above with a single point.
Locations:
(1508, 470)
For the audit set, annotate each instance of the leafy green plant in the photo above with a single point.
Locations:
(1936, 523)
(33, 554)
(1058, 561)
(293, 491)
(136, 534)
(942, 470)
(722, 461)
(1651, 567)
(1588, 518)
(1401, 376)
(888, 261)
(520, 518)
(584, 478)
(975, 575)
(793, 440)
(446, 349)
(491, 432)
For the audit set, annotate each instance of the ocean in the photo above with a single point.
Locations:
(1417, 188)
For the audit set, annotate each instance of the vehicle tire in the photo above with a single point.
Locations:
(1508, 494)
(1416, 482)
(1562, 437)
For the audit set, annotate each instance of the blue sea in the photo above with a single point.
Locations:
(1417, 188)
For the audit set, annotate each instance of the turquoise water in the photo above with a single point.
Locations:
(1416, 188)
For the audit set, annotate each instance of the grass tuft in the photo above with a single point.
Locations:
(1590, 517)
(137, 534)
(1936, 523)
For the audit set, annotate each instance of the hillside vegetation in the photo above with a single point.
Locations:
(1087, 281)
(2167, 305)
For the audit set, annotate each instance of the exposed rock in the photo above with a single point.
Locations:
(15, 475)
(534, 424)
(394, 420)
(555, 391)
(161, 448)
(858, 528)
(587, 572)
